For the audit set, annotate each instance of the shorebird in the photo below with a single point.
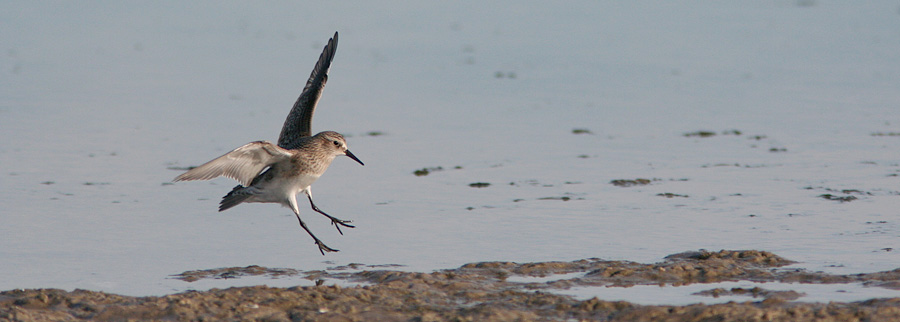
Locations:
(277, 173)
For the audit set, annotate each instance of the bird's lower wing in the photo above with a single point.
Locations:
(241, 164)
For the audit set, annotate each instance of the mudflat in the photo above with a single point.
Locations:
(474, 292)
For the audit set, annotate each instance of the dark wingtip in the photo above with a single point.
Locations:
(232, 198)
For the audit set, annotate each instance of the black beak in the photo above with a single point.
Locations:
(353, 157)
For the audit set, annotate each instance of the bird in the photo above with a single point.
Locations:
(270, 173)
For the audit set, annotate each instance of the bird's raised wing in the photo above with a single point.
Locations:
(299, 121)
(241, 164)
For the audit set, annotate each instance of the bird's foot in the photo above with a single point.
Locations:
(324, 248)
(334, 220)
(340, 222)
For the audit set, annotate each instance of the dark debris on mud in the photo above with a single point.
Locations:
(234, 272)
(706, 134)
(427, 170)
(885, 134)
(625, 183)
(630, 183)
(479, 184)
(581, 131)
(848, 195)
(842, 199)
(756, 292)
(474, 292)
(672, 195)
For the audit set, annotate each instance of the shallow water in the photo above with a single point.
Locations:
(691, 293)
(98, 101)
(687, 294)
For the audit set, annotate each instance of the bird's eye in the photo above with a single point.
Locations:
(336, 143)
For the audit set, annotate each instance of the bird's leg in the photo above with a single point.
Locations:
(334, 221)
(322, 247)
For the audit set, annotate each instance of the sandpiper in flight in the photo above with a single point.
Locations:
(277, 173)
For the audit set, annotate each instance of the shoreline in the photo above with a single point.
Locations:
(484, 291)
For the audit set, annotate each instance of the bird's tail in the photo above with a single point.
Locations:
(237, 195)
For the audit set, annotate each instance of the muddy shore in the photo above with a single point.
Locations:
(473, 292)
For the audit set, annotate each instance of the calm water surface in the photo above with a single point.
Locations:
(99, 100)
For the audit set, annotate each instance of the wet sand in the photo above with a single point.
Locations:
(473, 292)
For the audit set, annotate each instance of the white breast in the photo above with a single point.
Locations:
(282, 188)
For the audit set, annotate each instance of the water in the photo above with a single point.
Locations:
(691, 293)
(686, 295)
(98, 100)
